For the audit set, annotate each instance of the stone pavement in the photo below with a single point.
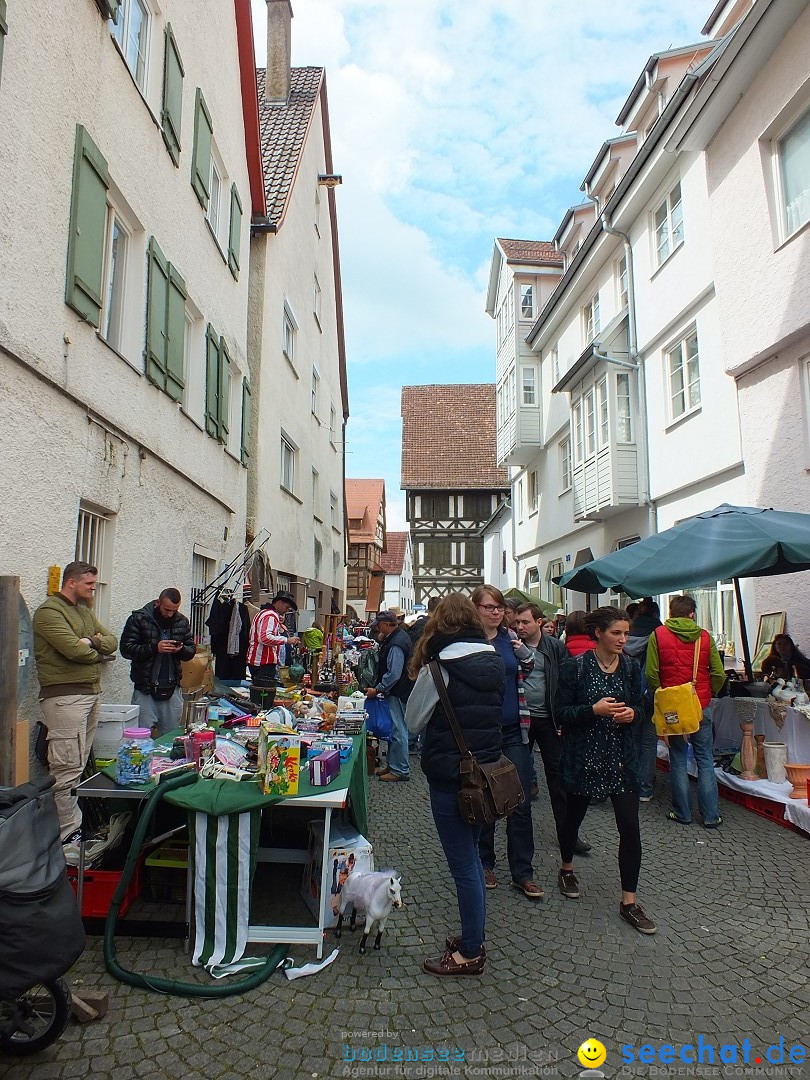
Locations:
(730, 962)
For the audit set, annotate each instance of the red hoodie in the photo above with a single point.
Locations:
(577, 644)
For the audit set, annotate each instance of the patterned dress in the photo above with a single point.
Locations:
(599, 757)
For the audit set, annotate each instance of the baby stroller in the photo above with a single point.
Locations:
(42, 932)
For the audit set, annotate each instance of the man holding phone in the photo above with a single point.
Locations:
(156, 638)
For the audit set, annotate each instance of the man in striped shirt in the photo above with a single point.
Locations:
(268, 635)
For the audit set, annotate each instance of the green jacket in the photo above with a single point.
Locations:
(62, 659)
(687, 630)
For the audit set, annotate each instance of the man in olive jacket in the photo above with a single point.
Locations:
(156, 638)
(70, 645)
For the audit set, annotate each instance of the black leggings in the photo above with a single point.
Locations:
(625, 807)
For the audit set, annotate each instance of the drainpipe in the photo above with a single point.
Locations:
(632, 346)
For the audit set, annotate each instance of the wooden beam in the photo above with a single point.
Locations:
(9, 667)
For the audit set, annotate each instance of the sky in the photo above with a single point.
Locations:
(454, 122)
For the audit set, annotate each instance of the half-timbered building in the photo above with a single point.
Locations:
(451, 481)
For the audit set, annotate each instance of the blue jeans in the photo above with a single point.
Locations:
(460, 844)
(647, 753)
(398, 743)
(519, 833)
(702, 741)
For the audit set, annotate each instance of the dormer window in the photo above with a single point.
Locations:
(527, 301)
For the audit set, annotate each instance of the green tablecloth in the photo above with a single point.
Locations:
(228, 797)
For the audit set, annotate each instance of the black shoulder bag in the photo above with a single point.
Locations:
(486, 792)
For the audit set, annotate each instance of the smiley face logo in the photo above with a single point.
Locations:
(592, 1054)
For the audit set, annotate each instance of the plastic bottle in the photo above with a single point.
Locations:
(134, 759)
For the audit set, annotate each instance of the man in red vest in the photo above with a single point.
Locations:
(670, 662)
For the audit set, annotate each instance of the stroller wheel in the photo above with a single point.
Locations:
(35, 1019)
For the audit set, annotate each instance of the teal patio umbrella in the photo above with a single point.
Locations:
(727, 542)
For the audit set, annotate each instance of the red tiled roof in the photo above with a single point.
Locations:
(394, 558)
(541, 252)
(448, 438)
(284, 130)
(364, 500)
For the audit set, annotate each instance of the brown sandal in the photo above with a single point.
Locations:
(446, 965)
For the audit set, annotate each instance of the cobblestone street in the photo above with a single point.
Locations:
(729, 963)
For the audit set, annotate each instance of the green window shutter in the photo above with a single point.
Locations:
(88, 222)
(109, 9)
(176, 329)
(172, 109)
(224, 389)
(211, 382)
(245, 452)
(236, 232)
(3, 31)
(201, 158)
(157, 293)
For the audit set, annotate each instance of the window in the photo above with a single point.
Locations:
(578, 431)
(216, 185)
(435, 507)
(131, 31)
(165, 325)
(555, 364)
(115, 260)
(602, 401)
(554, 592)
(520, 500)
(437, 553)
(318, 210)
(793, 159)
(622, 283)
(565, 463)
(289, 333)
(333, 511)
(201, 156)
(526, 301)
(474, 553)
(289, 453)
(684, 376)
(316, 381)
(217, 385)
(94, 546)
(172, 107)
(590, 319)
(511, 384)
(668, 222)
(477, 507)
(534, 491)
(244, 450)
(529, 392)
(624, 432)
(316, 300)
(531, 578)
(333, 427)
(203, 570)
(316, 495)
(590, 423)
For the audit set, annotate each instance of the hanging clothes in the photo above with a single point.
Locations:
(226, 666)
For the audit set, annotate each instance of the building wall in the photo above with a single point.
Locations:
(82, 422)
(286, 265)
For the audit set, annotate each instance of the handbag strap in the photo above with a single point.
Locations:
(449, 711)
(697, 654)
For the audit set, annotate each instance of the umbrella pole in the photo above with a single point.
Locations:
(741, 615)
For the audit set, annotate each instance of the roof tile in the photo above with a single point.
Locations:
(541, 252)
(394, 558)
(283, 133)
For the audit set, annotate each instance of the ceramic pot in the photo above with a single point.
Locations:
(798, 775)
(775, 758)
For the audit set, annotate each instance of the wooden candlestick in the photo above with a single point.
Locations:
(762, 768)
(748, 754)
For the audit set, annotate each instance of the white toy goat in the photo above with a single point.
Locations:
(374, 893)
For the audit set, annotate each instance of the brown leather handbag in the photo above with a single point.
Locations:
(486, 792)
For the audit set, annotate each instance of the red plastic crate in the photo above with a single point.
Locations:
(99, 886)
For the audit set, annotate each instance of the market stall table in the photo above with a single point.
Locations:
(795, 732)
(348, 791)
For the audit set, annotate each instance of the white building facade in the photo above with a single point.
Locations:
(125, 208)
(397, 561)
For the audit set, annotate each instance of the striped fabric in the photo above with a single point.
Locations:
(224, 859)
(267, 635)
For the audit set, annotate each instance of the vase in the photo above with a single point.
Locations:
(775, 758)
(761, 766)
(748, 755)
(798, 775)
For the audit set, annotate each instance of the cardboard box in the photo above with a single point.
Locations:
(348, 850)
(324, 768)
(279, 762)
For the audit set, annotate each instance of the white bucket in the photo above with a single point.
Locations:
(112, 719)
(775, 758)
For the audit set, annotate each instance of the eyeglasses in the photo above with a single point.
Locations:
(491, 607)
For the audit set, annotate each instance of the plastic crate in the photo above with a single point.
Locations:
(165, 875)
(99, 886)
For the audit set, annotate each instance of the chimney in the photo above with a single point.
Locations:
(277, 78)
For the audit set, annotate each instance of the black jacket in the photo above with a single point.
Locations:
(475, 690)
(139, 642)
(402, 688)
